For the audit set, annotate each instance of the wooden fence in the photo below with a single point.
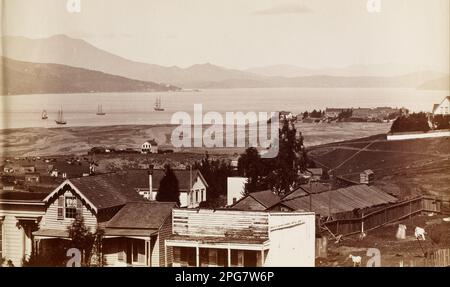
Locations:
(439, 258)
(383, 216)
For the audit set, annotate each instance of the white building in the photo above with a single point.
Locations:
(150, 146)
(192, 185)
(20, 213)
(233, 238)
(443, 108)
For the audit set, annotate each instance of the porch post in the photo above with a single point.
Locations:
(197, 256)
(148, 253)
(229, 256)
(165, 254)
(262, 258)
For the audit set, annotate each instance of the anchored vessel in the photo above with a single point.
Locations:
(158, 107)
(60, 120)
(44, 115)
(100, 111)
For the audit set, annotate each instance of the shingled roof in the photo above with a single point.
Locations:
(265, 198)
(141, 215)
(140, 178)
(102, 191)
(339, 200)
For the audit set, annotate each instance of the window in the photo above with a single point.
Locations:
(70, 206)
(192, 197)
(196, 196)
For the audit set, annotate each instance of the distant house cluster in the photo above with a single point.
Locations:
(377, 114)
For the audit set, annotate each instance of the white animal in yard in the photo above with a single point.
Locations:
(362, 235)
(356, 260)
(419, 233)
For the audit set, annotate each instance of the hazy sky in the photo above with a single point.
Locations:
(247, 33)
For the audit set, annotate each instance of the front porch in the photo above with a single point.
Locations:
(201, 253)
(116, 250)
(131, 251)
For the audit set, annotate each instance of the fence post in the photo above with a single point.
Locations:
(362, 222)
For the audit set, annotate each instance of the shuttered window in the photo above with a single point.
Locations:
(61, 208)
(79, 208)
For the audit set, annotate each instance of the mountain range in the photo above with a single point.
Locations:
(36, 78)
(78, 53)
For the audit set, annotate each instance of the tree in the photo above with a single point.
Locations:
(251, 167)
(216, 173)
(168, 187)
(281, 174)
(441, 122)
(82, 239)
(305, 115)
(411, 123)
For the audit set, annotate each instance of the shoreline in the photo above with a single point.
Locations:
(79, 140)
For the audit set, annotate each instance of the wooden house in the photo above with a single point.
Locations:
(150, 146)
(443, 108)
(232, 238)
(20, 213)
(192, 185)
(132, 226)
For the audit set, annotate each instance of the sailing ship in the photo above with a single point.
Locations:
(100, 111)
(60, 120)
(157, 106)
(44, 115)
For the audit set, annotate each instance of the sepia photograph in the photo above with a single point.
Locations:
(214, 133)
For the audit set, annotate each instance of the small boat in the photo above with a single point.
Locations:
(100, 111)
(60, 120)
(44, 115)
(157, 106)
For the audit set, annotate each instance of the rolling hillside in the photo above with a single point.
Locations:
(32, 78)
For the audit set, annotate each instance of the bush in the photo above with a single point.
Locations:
(412, 123)
(441, 122)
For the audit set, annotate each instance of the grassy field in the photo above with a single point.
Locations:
(78, 140)
(402, 168)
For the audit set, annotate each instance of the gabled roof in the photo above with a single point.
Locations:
(102, 191)
(305, 189)
(152, 142)
(266, 198)
(435, 106)
(140, 177)
(142, 215)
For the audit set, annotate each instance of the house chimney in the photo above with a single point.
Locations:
(150, 181)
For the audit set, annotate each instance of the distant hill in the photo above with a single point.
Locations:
(32, 78)
(437, 84)
(380, 70)
(61, 49)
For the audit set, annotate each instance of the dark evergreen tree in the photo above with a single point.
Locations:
(168, 187)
